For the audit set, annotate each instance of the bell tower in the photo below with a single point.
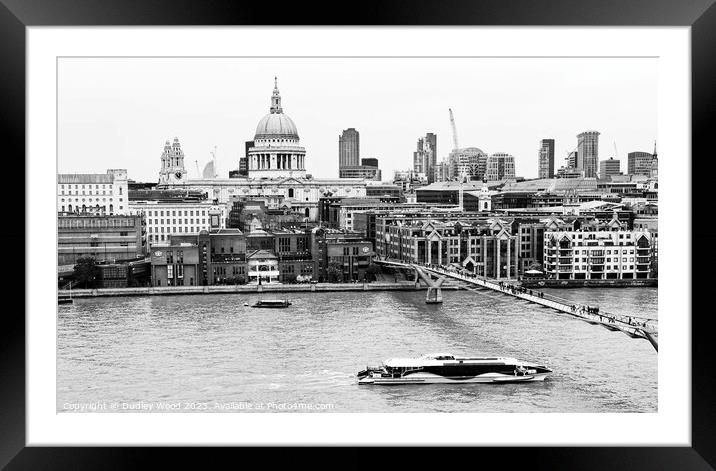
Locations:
(172, 171)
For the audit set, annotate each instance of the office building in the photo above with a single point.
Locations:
(609, 167)
(349, 148)
(95, 193)
(102, 237)
(545, 159)
(572, 159)
(425, 156)
(640, 163)
(588, 153)
(163, 219)
(500, 166)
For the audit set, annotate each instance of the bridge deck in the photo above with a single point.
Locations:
(636, 327)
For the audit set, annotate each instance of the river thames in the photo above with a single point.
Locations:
(210, 353)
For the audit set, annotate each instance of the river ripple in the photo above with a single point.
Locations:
(211, 349)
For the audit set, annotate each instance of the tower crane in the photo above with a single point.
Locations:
(198, 172)
(454, 130)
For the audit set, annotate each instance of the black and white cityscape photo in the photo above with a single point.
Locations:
(318, 235)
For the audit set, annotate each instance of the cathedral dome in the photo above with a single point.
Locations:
(276, 125)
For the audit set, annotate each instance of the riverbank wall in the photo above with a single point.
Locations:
(537, 283)
(246, 289)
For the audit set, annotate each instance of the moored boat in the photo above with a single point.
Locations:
(272, 303)
(448, 368)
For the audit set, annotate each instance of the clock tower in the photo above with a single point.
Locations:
(173, 170)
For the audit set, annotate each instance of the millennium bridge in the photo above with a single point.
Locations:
(434, 275)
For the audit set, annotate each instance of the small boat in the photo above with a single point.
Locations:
(246, 304)
(64, 300)
(447, 368)
(272, 303)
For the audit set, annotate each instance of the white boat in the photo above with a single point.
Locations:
(448, 368)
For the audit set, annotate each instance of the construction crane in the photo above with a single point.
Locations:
(454, 130)
(198, 172)
(616, 154)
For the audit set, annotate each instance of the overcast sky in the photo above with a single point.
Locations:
(117, 113)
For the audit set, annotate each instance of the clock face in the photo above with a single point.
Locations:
(157, 253)
(365, 249)
(178, 175)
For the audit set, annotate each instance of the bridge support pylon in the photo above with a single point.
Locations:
(435, 293)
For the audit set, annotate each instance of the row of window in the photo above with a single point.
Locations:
(608, 267)
(178, 229)
(156, 212)
(69, 200)
(609, 259)
(174, 221)
(85, 208)
(98, 223)
(69, 187)
(104, 192)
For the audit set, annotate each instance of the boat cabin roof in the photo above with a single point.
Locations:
(443, 358)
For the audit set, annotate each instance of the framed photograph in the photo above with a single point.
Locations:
(410, 226)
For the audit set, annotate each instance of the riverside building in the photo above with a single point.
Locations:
(597, 255)
(102, 237)
(163, 219)
(484, 246)
(93, 193)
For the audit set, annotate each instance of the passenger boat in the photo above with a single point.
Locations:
(447, 368)
(272, 303)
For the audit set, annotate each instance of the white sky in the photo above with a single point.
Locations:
(117, 113)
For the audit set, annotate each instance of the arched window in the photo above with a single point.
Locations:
(84, 208)
(69, 208)
(111, 208)
(290, 192)
(307, 212)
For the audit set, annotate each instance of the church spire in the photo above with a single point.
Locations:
(276, 98)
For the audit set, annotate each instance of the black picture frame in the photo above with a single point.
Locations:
(700, 15)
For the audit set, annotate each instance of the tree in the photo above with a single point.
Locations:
(86, 271)
(289, 278)
(334, 273)
(372, 271)
(535, 266)
(241, 280)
